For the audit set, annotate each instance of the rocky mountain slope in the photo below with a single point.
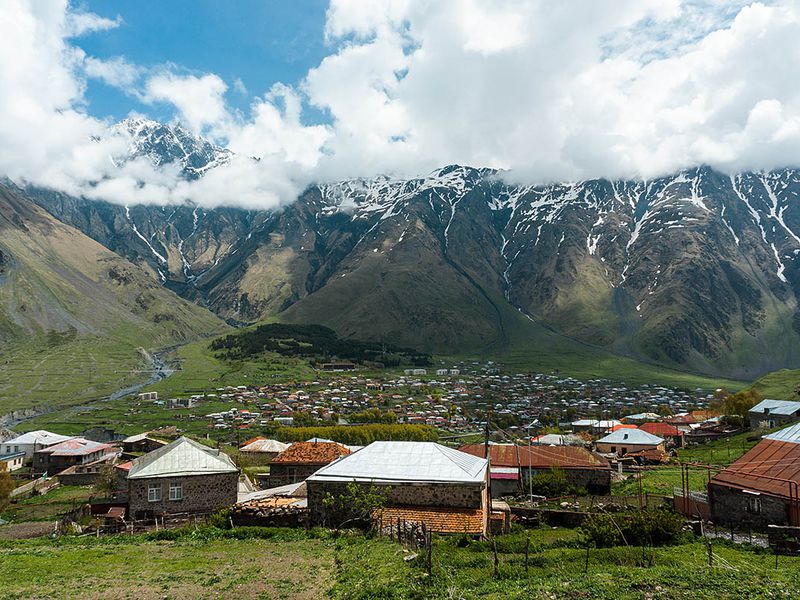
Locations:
(697, 270)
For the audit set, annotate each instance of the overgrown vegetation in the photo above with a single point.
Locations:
(553, 483)
(6, 487)
(314, 342)
(359, 435)
(650, 527)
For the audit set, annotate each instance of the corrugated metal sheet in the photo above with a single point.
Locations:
(411, 462)
(500, 455)
(630, 436)
(790, 434)
(264, 445)
(775, 407)
(541, 456)
(181, 458)
(75, 447)
(660, 429)
(761, 467)
(40, 437)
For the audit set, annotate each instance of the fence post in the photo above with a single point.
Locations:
(496, 560)
(527, 547)
(586, 564)
(710, 554)
(430, 552)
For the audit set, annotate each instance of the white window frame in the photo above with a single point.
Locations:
(176, 491)
(754, 504)
(154, 492)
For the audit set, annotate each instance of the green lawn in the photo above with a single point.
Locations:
(294, 564)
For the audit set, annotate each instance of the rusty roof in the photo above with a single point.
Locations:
(500, 455)
(440, 520)
(765, 468)
(311, 453)
(660, 429)
(541, 457)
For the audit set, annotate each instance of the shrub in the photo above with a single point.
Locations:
(553, 483)
(648, 527)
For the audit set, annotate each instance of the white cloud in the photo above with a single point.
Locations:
(199, 99)
(550, 90)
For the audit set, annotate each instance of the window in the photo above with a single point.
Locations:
(613, 448)
(754, 505)
(154, 492)
(176, 491)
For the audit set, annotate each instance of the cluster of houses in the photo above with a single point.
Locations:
(450, 490)
(454, 399)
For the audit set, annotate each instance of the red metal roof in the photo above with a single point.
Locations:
(500, 455)
(311, 453)
(541, 457)
(765, 468)
(661, 429)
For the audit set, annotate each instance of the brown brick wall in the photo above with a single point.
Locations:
(201, 494)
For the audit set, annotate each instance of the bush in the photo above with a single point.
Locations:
(553, 483)
(655, 527)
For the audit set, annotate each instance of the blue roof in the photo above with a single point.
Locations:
(790, 434)
(776, 407)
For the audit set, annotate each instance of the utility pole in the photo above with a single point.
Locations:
(486, 435)
(530, 473)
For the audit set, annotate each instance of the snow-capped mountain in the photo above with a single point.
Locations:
(163, 144)
(699, 269)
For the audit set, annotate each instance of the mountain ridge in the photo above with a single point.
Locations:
(695, 270)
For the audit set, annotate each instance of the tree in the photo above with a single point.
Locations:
(735, 406)
(107, 482)
(6, 487)
(356, 506)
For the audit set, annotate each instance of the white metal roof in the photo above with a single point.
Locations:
(776, 407)
(40, 437)
(790, 434)
(181, 458)
(630, 436)
(264, 445)
(405, 462)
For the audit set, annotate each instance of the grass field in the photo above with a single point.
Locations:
(780, 385)
(532, 347)
(294, 564)
(48, 506)
(662, 480)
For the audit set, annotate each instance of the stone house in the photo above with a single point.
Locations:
(623, 441)
(72, 452)
(673, 437)
(421, 482)
(182, 477)
(504, 474)
(769, 414)
(762, 487)
(303, 459)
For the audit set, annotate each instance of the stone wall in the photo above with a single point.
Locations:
(730, 506)
(201, 494)
(596, 481)
(422, 495)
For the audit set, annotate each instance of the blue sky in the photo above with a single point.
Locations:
(259, 42)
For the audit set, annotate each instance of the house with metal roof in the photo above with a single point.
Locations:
(184, 476)
(769, 414)
(762, 487)
(261, 450)
(30, 442)
(421, 482)
(624, 441)
(69, 453)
